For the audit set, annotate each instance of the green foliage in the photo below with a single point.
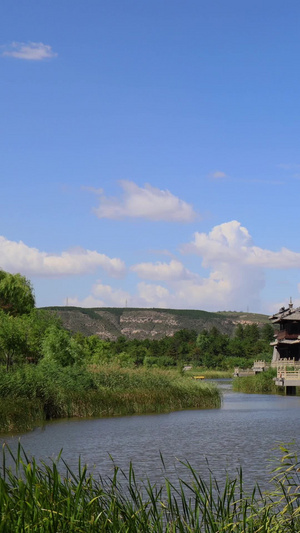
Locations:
(19, 414)
(28, 335)
(39, 334)
(261, 383)
(267, 333)
(16, 294)
(65, 391)
(21, 337)
(216, 350)
(159, 362)
(12, 340)
(59, 346)
(37, 497)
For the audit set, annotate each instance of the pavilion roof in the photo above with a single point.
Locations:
(283, 315)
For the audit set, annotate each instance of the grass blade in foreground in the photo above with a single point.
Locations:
(38, 497)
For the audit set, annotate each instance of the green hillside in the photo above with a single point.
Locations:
(112, 322)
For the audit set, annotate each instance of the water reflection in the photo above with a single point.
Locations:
(243, 432)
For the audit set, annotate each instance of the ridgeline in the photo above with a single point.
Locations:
(109, 323)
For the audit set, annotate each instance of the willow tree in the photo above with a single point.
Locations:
(16, 294)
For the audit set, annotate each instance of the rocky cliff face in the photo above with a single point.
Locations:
(146, 323)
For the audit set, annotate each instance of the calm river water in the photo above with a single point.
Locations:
(243, 432)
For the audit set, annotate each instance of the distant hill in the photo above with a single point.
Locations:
(112, 322)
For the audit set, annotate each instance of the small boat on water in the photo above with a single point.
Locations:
(199, 377)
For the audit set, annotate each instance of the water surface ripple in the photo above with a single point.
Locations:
(243, 432)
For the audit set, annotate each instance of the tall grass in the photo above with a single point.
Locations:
(262, 383)
(46, 391)
(38, 497)
(20, 414)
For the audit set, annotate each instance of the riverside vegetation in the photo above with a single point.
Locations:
(46, 372)
(53, 498)
(31, 394)
(262, 383)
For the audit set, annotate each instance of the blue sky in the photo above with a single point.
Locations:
(150, 152)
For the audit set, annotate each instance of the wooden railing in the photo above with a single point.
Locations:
(288, 374)
(260, 364)
(283, 363)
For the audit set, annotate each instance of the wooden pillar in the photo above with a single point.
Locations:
(290, 391)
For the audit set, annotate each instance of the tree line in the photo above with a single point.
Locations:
(28, 335)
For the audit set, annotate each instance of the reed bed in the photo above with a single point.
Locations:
(262, 383)
(30, 395)
(50, 497)
(21, 414)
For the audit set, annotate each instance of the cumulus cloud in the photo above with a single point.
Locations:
(211, 294)
(237, 266)
(236, 272)
(147, 295)
(18, 257)
(172, 271)
(153, 295)
(29, 51)
(103, 296)
(231, 242)
(224, 243)
(235, 279)
(145, 202)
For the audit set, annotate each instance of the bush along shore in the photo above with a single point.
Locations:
(33, 393)
(262, 383)
(37, 497)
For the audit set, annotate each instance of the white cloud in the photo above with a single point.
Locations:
(211, 294)
(237, 266)
(224, 243)
(29, 51)
(218, 174)
(230, 242)
(18, 257)
(235, 280)
(163, 271)
(89, 301)
(153, 295)
(111, 295)
(145, 202)
(103, 296)
(106, 296)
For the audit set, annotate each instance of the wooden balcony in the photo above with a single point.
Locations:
(284, 335)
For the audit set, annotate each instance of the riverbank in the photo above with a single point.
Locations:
(36, 497)
(262, 383)
(32, 394)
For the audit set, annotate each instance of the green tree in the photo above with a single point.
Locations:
(35, 326)
(267, 333)
(16, 294)
(59, 346)
(203, 341)
(251, 332)
(239, 331)
(12, 340)
(236, 347)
